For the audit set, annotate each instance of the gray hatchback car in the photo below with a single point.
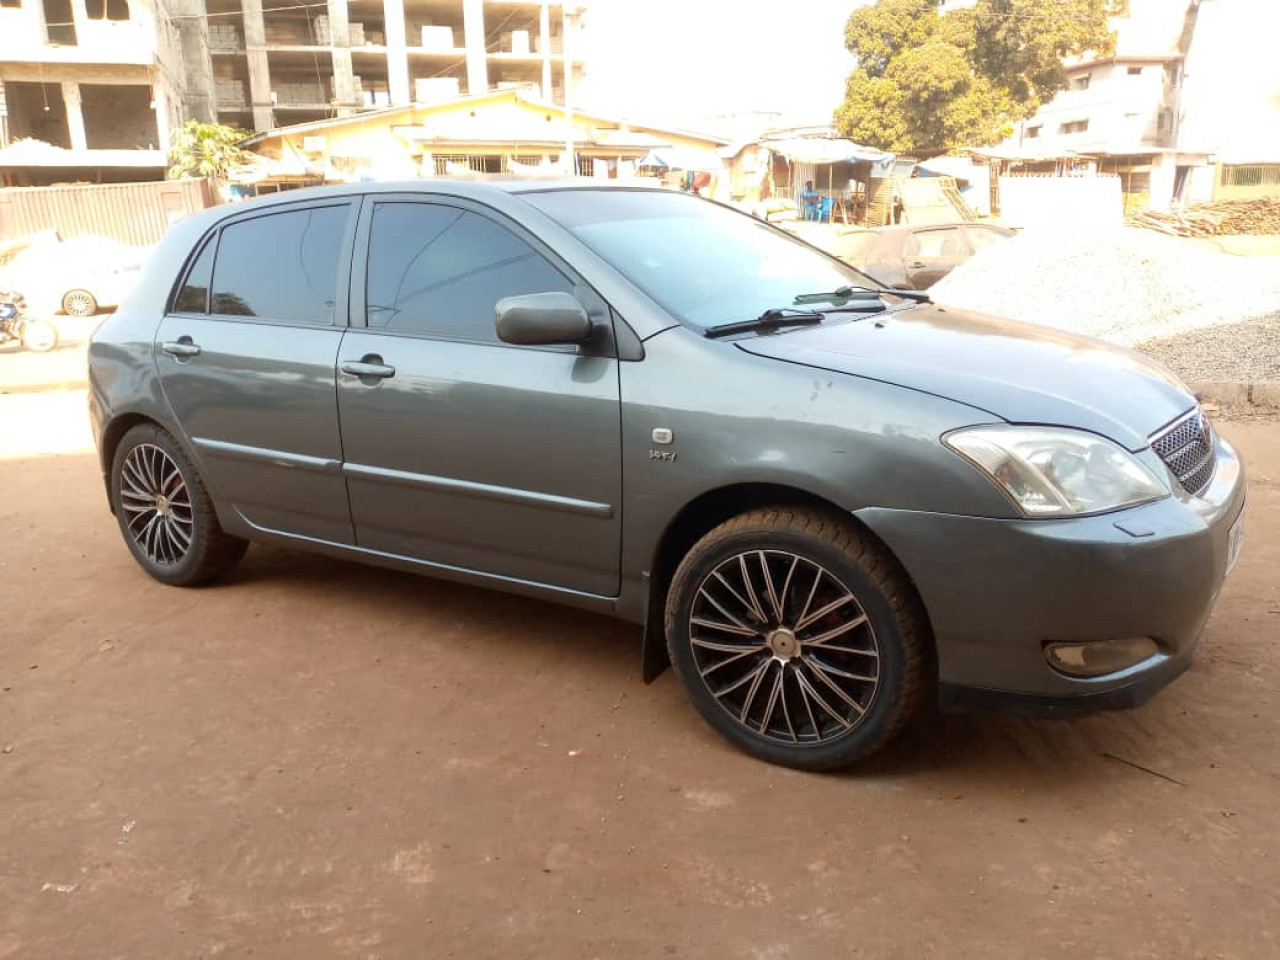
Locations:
(826, 503)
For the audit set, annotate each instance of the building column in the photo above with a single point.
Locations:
(344, 85)
(160, 103)
(75, 115)
(568, 43)
(186, 68)
(477, 55)
(544, 41)
(255, 48)
(79, 16)
(397, 57)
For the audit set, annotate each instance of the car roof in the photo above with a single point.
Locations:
(902, 229)
(477, 189)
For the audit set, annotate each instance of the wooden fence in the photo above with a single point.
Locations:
(134, 213)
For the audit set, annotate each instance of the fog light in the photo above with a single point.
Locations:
(1097, 657)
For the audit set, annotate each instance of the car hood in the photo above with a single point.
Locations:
(1017, 371)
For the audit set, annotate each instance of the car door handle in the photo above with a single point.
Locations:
(182, 348)
(370, 366)
(916, 264)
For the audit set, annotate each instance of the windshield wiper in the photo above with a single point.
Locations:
(855, 293)
(788, 317)
(769, 320)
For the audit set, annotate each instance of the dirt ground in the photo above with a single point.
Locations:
(316, 759)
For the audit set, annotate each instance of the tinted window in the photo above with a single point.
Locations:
(283, 266)
(704, 263)
(980, 238)
(935, 243)
(439, 270)
(194, 295)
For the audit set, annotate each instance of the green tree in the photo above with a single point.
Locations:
(926, 83)
(206, 150)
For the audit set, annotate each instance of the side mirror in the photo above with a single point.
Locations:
(542, 318)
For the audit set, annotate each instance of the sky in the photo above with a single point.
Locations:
(686, 60)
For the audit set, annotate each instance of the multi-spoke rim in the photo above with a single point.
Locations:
(784, 647)
(157, 504)
(78, 303)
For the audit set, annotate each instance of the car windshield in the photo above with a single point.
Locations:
(704, 263)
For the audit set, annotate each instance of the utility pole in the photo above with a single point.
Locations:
(571, 13)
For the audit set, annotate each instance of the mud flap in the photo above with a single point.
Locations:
(653, 641)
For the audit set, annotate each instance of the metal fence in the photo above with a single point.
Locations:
(1257, 175)
(133, 213)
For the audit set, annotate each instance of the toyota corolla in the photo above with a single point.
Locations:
(824, 502)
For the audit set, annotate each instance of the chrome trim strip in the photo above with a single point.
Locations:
(1173, 425)
(444, 569)
(276, 458)
(482, 490)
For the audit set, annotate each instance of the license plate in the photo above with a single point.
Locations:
(1235, 540)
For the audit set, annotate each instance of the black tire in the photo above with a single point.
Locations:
(207, 551)
(39, 336)
(883, 669)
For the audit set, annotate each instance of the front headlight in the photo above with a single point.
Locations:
(1054, 471)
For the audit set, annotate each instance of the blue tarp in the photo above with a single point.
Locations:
(681, 158)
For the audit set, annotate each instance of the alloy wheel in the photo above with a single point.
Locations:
(79, 303)
(784, 647)
(157, 504)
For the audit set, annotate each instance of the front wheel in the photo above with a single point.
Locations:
(165, 514)
(797, 637)
(39, 336)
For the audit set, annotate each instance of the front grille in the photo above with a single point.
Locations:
(1186, 447)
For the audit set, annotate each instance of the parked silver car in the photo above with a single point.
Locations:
(827, 503)
(916, 257)
(79, 276)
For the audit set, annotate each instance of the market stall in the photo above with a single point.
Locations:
(827, 178)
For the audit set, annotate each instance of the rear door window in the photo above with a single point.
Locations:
(281, 266)
(440, 270)
(194, 295)
(935, 243)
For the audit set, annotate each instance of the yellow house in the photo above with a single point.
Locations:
(505, 131)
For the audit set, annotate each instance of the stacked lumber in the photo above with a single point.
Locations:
(1255, 215)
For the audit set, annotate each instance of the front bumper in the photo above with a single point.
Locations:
(997, 590)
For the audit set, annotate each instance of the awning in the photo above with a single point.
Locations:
(828, 150)
(258, 169)
(628, 140)
(962, 168)
(678, 158)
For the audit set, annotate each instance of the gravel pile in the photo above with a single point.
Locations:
(1234, 351)
(1122, 284)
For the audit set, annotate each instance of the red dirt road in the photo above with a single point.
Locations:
(316, 759)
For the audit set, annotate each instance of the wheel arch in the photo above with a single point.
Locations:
(112, 434)
(707, 511)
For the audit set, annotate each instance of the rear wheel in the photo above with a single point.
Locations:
(165, 514)
(39, 336)
(79, 303)
(797, 637)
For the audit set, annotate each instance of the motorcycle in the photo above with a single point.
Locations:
(38, 336)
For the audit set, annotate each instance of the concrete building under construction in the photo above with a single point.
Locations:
(90, 89)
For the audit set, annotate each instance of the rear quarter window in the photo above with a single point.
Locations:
(193, 297)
